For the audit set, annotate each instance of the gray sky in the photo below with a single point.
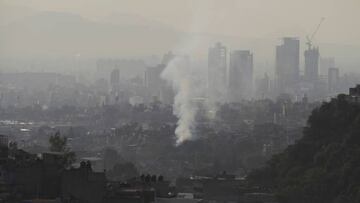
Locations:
(241, 18)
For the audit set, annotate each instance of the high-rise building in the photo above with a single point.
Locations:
(333, 80)
(217, 73)
(311, 65)
(240, 75)
(325, 64)
(115, 79)
(263, 87)
(157, 88)
(287, 65)
(153, 81)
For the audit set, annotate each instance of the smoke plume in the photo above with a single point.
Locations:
(187, 79)
(188, 84)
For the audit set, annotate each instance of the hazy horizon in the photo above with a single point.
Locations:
(67, 29)
(240, 18)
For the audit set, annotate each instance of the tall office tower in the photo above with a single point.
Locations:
(287, 65)
(115, 79)
(217, 73)
(263, 87)
(311, 65)
(325, 64)
(240, 75)
(333, 80)
(156, 86)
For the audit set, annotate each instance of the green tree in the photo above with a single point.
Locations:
(324, 165)
(58, 143)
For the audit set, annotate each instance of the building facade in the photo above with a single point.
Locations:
(287, 65)
(311, 65)
(240, 75)
(333, 80)
(217, 65)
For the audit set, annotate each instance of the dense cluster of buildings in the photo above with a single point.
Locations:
(26, 177)
(235, 82)
(229, 77)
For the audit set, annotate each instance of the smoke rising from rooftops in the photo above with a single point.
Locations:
(188, 79)
(188, 83)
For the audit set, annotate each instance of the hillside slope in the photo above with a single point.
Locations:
(324, 166)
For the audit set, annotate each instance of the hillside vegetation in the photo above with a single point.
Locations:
(324, 165)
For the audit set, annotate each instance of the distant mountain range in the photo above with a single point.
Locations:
(53, 34)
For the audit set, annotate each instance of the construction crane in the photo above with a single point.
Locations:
(310, 39)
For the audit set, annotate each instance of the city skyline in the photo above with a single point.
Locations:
(168, 101)
(29, 36)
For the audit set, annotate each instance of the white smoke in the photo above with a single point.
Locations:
(188, 84)
(188, 79)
